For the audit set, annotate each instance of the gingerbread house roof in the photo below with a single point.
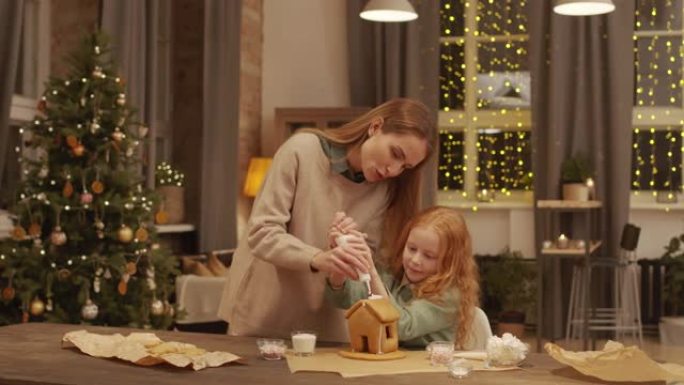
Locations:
(382, 309)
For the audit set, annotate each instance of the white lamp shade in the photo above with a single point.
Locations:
(388, 11)
(583, 7)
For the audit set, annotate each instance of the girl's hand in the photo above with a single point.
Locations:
(336, 281)
(341, 224)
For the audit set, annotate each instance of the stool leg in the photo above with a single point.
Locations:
(571, 305)
(637, 307)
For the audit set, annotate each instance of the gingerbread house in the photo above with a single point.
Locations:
(373, 326)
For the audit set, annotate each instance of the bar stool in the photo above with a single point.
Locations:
(625, 314)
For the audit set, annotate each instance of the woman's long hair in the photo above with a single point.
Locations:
(401, 116)
(457, 267)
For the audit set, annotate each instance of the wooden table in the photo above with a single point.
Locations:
(32, 354)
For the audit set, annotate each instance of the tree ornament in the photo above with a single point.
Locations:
(83, 102)
(125, 234)
(96, 49)
(89, 310)
(37, 307)
(43, 172)
(78, 150)
(48, 306)
(68, 189)
(129, 152)
(157, 307)
(63, 274)
(8, 293)
(18, 233)
(34, 230)
(58, 237)
(97, 72)
(121, 99)
(161, 217)
(86, 198)
(117, 135)
(42, 106)
(129, 206)
(123, 286)
(107, 274)
(94, 126)
(131, 268)
(141, 234)
(72, 141)
(97, 187)
(168, 309)
(96, 284)
(142, 130)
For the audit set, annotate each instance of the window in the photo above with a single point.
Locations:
(484, 114)
(658, 104)
(32, 70)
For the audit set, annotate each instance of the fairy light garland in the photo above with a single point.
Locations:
(495, 45)
(657, 148)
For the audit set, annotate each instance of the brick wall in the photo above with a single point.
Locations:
(251, 44)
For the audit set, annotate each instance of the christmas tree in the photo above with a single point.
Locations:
(83, 247)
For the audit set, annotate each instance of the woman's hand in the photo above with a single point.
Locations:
(346, 260)
(341, 224)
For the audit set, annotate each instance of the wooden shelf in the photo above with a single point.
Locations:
(571, 251)
(561, 204)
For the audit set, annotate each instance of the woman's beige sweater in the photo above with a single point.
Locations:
(271, 289)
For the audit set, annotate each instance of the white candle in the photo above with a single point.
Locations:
(562, 242)
(590, 185)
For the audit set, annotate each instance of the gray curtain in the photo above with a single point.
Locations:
(11, 14)
(132, 25)
(388, 60)
(219, 189)
(582, 91)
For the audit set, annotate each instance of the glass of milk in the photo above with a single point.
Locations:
(303, 342)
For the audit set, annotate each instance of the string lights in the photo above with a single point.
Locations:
(658, 136)
(484, 78)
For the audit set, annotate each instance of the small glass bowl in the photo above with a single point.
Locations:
(460, 368)
(271, 348)
(440, 352)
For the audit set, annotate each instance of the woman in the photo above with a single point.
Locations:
(368, 168)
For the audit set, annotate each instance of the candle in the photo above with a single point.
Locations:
(547, 244)
(562, 242)
(590, 185)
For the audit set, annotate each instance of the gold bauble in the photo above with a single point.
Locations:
(37, 307)
(157, 307)
(125, 234)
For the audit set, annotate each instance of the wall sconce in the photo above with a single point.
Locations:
(583, 7)
(388, 11)
(256, 173)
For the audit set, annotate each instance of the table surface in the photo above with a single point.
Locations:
(32, 354)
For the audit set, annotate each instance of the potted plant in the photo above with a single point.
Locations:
(575, 171)
(672, 328)
(511, 280)
(169, 184)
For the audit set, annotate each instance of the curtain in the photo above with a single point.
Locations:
(132, 26)
(582, 95)
(11, 14)
(219, 189)
(388, 60)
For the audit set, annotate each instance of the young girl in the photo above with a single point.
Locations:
(431, 278)
(370, 168)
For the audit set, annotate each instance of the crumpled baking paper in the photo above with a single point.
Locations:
(617, 363)
(145, 349)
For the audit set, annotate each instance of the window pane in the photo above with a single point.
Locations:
(664, 15)
(450, 175)
(658, 71)
(451, 17)
(504, 159)
(657, 158)
(502, 17)
(451, 76)
(503, 79)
